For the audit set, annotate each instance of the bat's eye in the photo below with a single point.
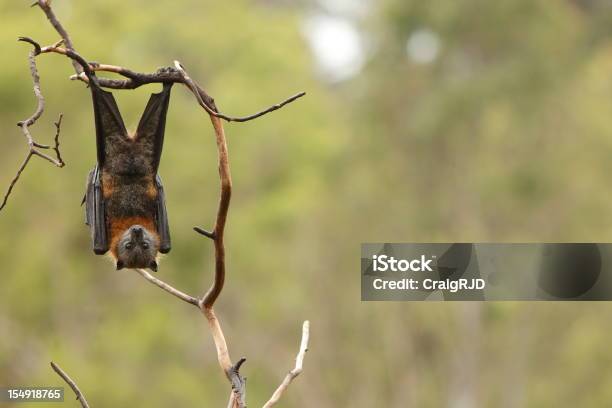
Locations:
(145, 245)
(129, 245)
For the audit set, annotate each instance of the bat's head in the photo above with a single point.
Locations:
(137, 248)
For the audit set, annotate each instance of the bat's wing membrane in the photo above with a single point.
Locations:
(153, 124)
(95, 212)
(110, 129)
(163, 228)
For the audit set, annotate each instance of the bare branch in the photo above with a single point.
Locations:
(14, 181)
(168, 288)
(79, 395)
(164, 75)
(299, 361)
(263, 112)
(58, 128)
(34, 147)
(197, 91)
(45, 6)
(219, 230)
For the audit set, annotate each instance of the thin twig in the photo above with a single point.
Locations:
(71, 383)
(58, 127)
(263, 112)
(15, 179)
(168, 288)
(45, 6)
(299, 362)
(33, 146)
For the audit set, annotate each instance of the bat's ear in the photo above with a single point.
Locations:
(153, 266)
(120, 264)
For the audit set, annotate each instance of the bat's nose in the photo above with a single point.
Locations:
(137, 230)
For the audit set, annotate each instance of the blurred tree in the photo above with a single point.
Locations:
(471, 121)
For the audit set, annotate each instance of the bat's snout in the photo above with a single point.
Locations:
(136, 231)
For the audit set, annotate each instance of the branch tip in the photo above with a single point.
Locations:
(239, 363)
(297, 370)
(207, 234)
(79, 395)
(30, 41)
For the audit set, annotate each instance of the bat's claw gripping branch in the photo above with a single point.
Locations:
(166, 70)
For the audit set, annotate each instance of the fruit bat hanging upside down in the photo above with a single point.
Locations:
(125, 205)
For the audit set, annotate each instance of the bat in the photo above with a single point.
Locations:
(124, 202)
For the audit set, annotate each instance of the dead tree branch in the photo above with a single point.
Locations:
(35, 148)
(85, 71)
(297, 370)
(79, 395)
(164, 75)
(45, 6)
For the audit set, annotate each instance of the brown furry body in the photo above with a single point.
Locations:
(128, 186)
(125, 200)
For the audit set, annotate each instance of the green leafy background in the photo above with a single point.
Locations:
(506, 136)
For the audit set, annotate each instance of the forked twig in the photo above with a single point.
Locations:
(34, 148)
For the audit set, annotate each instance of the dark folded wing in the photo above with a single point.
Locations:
(110, 129)
(163, 229)
(152, 125)
(95, 212)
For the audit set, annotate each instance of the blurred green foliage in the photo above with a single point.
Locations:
(504, 137)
